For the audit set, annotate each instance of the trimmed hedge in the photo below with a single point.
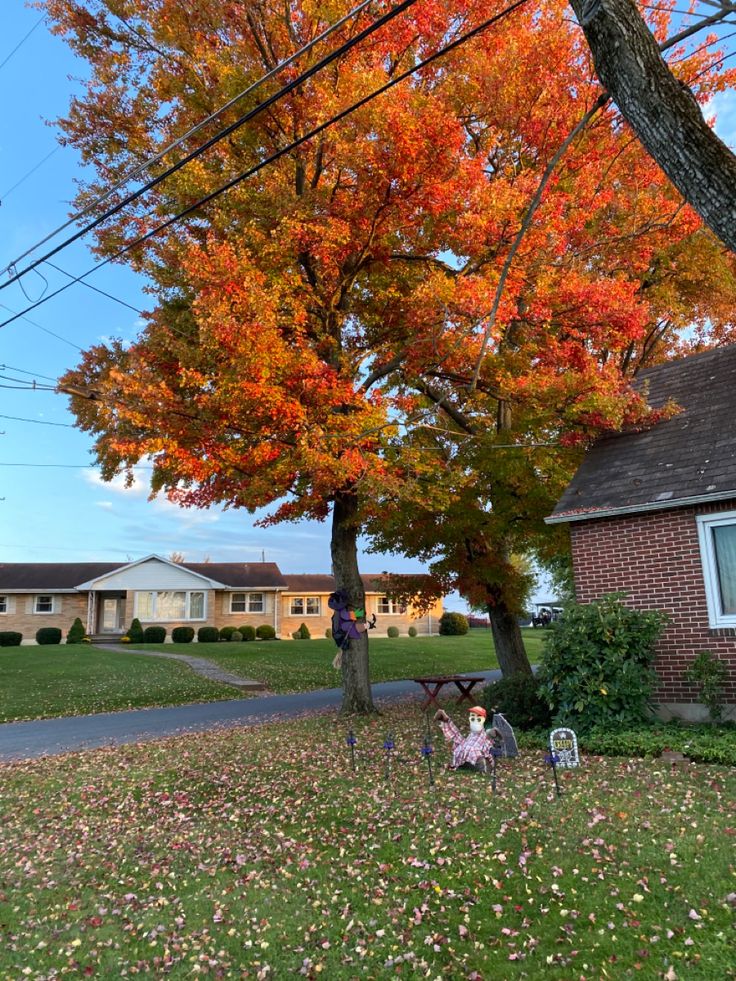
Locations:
(265, 632)
(453, 624)
(519, 700)
(154, 635)
(412, 631)
(208, 635)
(226, 632)
(182, 635)
(10, 638)
(302, 633)
(135, 634)
(393, 632)
(48, 635)
(236, 636)
(248, 632)
(76, 633)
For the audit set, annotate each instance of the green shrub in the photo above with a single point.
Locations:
(208, 635)
(302, 633)
(154, 635)
(236, 636)
(518, 698)
(597, 664)
(453, 624)
(265, 632)
(136, 632)
(704, 743)
(393, 631)
(10, 638)
(76, 632)
(247, 632)
(48, 635)
(226, 632)
(182, 635)
(412, 631)
(710, 675)
(328, 633)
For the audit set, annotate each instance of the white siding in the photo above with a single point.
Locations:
(152, 575)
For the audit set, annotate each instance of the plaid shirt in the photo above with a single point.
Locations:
(466, 749)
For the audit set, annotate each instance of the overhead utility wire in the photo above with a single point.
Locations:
(51, 333)
(146, 164)
(241, 121)
(280, 153)
(28, 173)
(23, 371)
(21, 42)
(39, 422)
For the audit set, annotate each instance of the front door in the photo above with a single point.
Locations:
(111, 616)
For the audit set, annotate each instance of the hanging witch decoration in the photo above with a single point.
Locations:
(348, 623)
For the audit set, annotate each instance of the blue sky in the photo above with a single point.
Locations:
(57, 514)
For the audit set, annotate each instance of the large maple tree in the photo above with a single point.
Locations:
(311, 324)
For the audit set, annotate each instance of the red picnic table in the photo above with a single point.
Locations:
(433, 686)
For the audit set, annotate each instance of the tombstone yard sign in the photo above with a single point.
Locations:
(564, 745)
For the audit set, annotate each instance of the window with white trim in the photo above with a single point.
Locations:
(167, 605)
(386, 605)
(305, 606)
(718, 554)
(3, 604)
(247, 603)
(43, 604)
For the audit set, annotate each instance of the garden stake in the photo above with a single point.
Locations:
(495, 753)
(351, 741)
(427, 751)
(388, 745)
(552, 760)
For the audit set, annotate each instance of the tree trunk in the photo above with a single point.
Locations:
(661, 110)
(512, 657)
(357, 696)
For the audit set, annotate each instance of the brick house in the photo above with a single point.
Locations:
(107, 596)
(653, 515)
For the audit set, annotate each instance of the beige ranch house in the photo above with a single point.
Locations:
(106, 597)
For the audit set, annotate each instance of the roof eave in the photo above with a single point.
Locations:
(682, 502)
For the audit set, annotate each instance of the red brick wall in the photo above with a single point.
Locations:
(655, 559)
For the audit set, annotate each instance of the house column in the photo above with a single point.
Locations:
(91, 609)
(276, 601)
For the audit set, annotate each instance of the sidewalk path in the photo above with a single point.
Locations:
(50, 737)
(200, 666)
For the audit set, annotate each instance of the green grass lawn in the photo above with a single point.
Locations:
(257, 853)
(291, 665)
(43, 682)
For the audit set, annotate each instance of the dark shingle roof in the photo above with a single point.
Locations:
(250, 575)
(69, 575)
(51, 575)
(690, 457)
(326, 584)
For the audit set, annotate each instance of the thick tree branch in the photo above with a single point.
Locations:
(661, 110)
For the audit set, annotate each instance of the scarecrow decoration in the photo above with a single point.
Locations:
(348, 622)
(474, 751)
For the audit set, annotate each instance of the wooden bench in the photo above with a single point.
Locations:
(433, 686)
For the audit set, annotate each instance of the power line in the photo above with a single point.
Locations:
(28, 173)
(31, 386)
(278, 154)
(23, 371)
(146, 164)
(64, 466)
(39, 422)
(227, 131)
(110, 296)
(44, 329)
(21, 42)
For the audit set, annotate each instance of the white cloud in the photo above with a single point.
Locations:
(723, 107)
(107, 505)
(139, 487)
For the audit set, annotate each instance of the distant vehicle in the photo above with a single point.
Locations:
(546, 616)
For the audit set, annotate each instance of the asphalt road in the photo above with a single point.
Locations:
(51, 737)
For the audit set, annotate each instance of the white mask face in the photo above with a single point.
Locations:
(476, 723)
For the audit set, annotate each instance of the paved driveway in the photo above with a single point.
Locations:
(50, 737)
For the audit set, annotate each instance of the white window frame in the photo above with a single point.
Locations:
(304, 611)
(43, 613)
(717, 619)
(187, 606)
(4, 604)
(395, 609)
(249, 604)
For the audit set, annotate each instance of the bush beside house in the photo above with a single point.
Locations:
(453, 624)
